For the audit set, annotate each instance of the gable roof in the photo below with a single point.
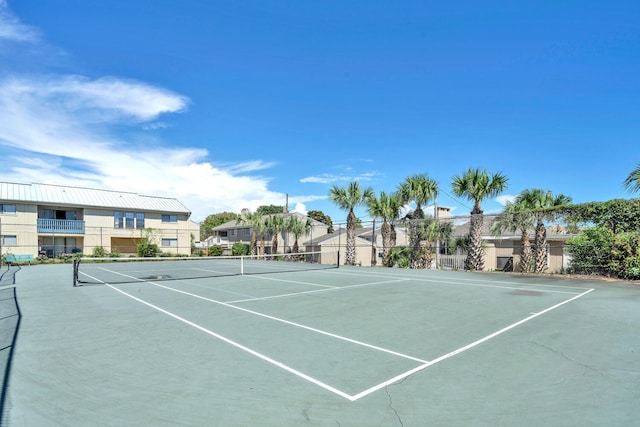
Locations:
(87, 197)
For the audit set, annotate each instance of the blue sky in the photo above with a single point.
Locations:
(226, 105)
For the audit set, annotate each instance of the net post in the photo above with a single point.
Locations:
(75, 271)
(242, 265)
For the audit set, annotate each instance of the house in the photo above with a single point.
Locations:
(503, 252)
(51, 220)
(231, 232)
(332, 248)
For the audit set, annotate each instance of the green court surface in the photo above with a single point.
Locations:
(352, 346)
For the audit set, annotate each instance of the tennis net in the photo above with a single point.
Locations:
(136, 269)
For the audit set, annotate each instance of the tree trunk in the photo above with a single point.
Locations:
(274, 245)
(350, 256)
(525, 259)
(254, 243)
(386, 242)
(475, 258)
(541, 248)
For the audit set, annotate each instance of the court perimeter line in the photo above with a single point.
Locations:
(240, 346)
(474, 281)
(464, 348)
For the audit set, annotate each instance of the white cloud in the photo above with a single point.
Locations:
(12, 29)
(326, 178)
(300, 208)
(61, 131)
(64, 129)
(507, 198)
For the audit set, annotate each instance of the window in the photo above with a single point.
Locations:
(170, 242)
(8, 209)
(118, 220)
(128, 216)
(9, 240)
(169, 218)
(139, 220)
(247, 232)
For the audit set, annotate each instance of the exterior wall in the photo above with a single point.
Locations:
(21, 224)
(99, 230)
(556, 257)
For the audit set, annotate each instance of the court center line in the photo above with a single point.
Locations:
(294, 281)
(288, 322)
(277, 319)
(334, 288)
(464, 348)
(239, 346)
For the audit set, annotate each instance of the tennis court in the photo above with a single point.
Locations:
(348, 346)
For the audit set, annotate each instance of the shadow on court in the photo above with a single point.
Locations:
(9, 326)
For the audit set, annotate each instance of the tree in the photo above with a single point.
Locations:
(348, 199)
(261, 229)
(274, 225)
(543, 206)
(323, 218)
(252, 220)
(516, 217)
(298, 227)
(214, 220)
(477, 185)
(632, 182)
(419, 189)
(387, 208)
(269, 210)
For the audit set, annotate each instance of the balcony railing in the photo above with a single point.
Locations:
(62, 226)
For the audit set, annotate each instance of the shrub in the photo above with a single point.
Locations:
(239, 248)
(216, 250)
(146, 249)
(100, 252)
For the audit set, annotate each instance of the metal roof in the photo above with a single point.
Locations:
(87, 197)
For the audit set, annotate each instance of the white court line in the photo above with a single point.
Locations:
(441, 279)
(463, 349)
(334, 288)
(287, 322)
(293, 281)
(277, 319)
(516, 288)
(240, 346)
(424, 365)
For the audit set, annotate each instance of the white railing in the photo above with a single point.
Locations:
(451, 262)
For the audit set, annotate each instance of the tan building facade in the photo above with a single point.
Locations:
(49, 220)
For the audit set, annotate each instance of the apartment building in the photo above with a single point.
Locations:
(51, 220)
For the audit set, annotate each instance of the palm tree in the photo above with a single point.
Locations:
(262, 229)
(348, 199)
(298, 227)
(274, 225)
(516, 217)
(419, 189)
(633, 180)
(541, 204)
(251, 219)
(386, 207)
(477, 185)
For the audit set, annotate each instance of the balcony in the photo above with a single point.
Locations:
(60, 226)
